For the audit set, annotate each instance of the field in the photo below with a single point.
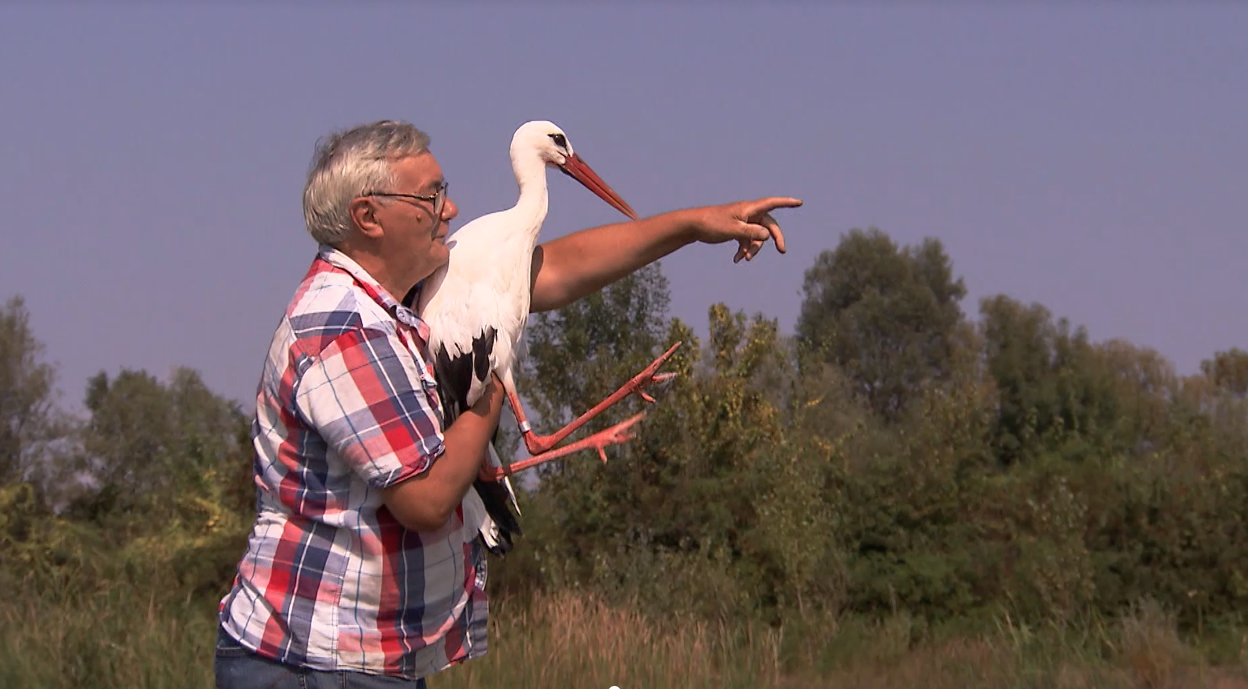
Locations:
(123, 637)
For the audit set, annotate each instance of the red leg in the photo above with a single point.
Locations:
(539, 444)
(614, 435)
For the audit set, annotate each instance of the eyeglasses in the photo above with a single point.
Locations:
(438, 199)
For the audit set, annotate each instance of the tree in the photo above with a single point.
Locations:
(147, 442)
(1058, 390)
(1144, 385)
(711, 497)
(28, 420)
(887, 315)
(1018, 346)
(1228, 370)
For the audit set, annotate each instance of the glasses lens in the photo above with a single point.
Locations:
(440, 201)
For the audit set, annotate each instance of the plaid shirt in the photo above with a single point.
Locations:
(346, 406)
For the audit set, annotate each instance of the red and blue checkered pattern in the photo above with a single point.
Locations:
(346, 406)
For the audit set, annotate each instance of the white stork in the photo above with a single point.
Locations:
(477, 306)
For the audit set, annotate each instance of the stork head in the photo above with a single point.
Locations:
(552, 146)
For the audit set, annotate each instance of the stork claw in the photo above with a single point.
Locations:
(650, 375)
(656, 378)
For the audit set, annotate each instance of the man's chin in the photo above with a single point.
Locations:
(439, 256)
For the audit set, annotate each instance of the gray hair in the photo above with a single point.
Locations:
(350, 163)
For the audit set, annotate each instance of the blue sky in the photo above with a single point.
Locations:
(1089, 156)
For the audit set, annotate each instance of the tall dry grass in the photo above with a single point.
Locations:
(574, 640)
(570, 640)
(120, 636)
(116, 637)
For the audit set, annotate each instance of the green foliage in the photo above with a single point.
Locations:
(767, 483)
(150, 446)
(884, 314)
(1056, 389)
(28, 422)
(1228, 370)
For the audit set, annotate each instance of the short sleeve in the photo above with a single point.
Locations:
(364, 395)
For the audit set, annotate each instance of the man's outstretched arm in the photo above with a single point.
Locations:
(571, 267)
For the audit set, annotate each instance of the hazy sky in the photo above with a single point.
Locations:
(1092, 157)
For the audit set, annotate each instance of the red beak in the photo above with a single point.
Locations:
(578, 170)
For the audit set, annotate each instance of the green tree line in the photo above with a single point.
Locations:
(892, 454)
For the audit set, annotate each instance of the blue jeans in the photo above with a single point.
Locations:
(237, 667)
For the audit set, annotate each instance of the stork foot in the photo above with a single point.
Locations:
(618, 434)
(650, 375)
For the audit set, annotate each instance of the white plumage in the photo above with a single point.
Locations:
(477, 305)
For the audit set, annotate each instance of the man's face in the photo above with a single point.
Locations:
(414, 244)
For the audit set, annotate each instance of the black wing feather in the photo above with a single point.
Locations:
(455, 376)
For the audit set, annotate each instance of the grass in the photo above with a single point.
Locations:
(117, 636)
(570, 640)
(110, 638)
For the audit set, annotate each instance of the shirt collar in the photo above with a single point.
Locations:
(374, 289)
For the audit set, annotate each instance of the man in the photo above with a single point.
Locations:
(359, 570)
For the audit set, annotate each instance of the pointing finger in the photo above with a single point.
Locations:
(773, 227)
(773, 202)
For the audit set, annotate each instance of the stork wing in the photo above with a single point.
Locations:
(461, 376)
(454, 377)
(464, 341)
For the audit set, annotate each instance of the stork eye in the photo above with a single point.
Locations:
(559, 140)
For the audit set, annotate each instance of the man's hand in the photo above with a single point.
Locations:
(490, 404)
(748, 222)
(425, 501)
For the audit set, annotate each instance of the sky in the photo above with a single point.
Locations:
(1092, 157)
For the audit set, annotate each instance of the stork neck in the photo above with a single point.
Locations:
(530, 172)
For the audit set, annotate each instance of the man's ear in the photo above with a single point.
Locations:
(364, 215)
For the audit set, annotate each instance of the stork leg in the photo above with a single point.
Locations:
(619, 433)
(540, 446)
